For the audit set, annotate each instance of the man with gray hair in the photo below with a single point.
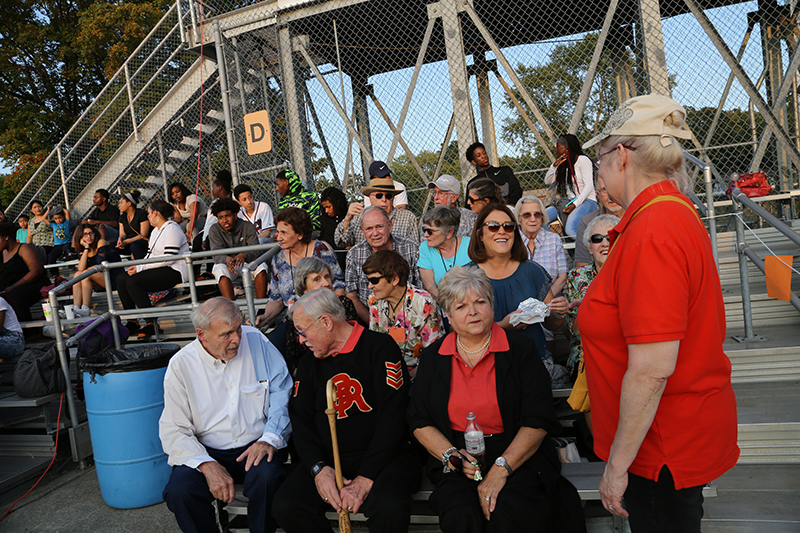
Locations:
(371, 380)
(225, 419)
(376, 228)
(446, 190)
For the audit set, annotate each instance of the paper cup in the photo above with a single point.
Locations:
(69, 311)
(48, 312)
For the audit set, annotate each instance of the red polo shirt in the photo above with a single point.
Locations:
(660, 283)
(352, 340)
(475, 389)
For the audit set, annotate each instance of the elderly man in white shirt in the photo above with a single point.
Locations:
(225, 419)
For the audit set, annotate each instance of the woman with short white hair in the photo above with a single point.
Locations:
(653, 325)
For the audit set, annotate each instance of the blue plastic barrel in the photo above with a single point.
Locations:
(123, 410)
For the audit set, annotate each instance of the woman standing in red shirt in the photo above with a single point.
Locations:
(653, 324)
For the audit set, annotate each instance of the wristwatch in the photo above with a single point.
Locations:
(317, 468)
(501, 461)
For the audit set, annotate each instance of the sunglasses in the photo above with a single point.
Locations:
(597, 238)
(381, 195)
(374, 279)
(470, 199)
(494, 226)
(429, 231)
(538, 215)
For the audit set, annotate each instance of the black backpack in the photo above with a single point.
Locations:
(38, 372)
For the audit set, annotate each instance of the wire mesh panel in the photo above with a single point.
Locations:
(346, 82)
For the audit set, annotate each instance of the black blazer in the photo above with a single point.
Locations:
(523, 394)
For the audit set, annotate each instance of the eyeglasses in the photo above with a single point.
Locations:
(374, 279)
(381, 195)
(303, 332)
(598, 238)
(88, 234)
(493, 226)
(596, 160)
(429, 231)
(537, 215)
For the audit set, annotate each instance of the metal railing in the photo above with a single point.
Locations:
(708, 207)
(740, 200)
(174, 310)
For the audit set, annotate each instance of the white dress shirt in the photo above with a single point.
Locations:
(208, 402)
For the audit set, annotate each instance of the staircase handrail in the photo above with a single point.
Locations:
(744, 253)
(96, 102)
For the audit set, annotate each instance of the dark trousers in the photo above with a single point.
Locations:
(55, 253)
(656, 506)
(298, 507)
(522, 505)
(137, 249)
(133, 290)
(188, 497)
(22, 297)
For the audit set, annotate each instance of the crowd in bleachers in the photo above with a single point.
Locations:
(487, 286)
(309, 225)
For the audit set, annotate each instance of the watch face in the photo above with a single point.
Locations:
(500, 461)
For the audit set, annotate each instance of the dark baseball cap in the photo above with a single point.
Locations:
(379, 169)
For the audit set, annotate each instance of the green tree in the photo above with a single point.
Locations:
(54, 58)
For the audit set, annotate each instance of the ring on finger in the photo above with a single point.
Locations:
(487, 498)
(349, 508)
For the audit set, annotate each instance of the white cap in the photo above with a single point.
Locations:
(446, 182)
(645, 115)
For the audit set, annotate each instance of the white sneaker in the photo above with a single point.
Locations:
(49, 331)
(82, 311)
(62, 313)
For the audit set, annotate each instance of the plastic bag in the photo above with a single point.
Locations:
(129, 359)
(531, 311)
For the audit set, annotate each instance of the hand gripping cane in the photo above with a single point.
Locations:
(330, 393)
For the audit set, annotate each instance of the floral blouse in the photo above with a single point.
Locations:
(282, 285)
(42, 233)
(418, 323)
(578, 281)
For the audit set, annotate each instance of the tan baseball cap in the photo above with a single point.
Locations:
(644, 115)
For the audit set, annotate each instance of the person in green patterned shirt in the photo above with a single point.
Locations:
(293, 194)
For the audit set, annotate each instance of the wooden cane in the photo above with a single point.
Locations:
(330, 393)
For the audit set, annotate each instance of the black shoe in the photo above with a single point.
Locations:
(148, 331)
(133, 327)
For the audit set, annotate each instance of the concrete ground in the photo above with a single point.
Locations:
(752, 499)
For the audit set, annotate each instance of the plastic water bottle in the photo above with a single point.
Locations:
(473, 438)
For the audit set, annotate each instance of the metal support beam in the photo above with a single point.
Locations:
(226, 103)
(295, 110)
(653, 43)
(577, 115)
(411, 86)
(360, 92)
(488, 136)
(524, 114)
(408, 151)
(313, 110)
(300, 43)
(748, 86)
(447, 10)
(773, 61)
(510, 71)
(63, 177)
(778, 98)
(744, 277)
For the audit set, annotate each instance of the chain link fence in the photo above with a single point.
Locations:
(413, 84)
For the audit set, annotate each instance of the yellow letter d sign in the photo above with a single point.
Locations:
(259, 136)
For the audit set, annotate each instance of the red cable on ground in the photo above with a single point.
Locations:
(200, 136)
(55, 449)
